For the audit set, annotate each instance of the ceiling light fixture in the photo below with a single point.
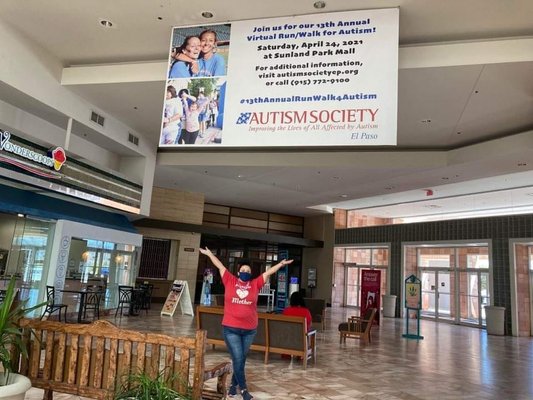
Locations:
(343, 196)
(521, 164)
(426, 121)
(105, 23)
(319, 4)
(207, 14)
(160, 18)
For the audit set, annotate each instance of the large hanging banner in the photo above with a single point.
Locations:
(312, 80)
(370, 291)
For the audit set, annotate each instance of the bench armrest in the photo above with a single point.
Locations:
(218, 370)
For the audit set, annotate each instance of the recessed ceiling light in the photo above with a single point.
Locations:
(135, 108)
(426, 121)
(444, 178)
(319, 4)
(343, 196)
(336, 177)
(459, 133)
(160, 18)
(207, 14)
(20, 215)
(389, 188)
(240, 176)
(522, 164)
(106, 23)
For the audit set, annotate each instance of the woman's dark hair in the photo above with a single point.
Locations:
(180, 93)
(297, 300)
(172, 90)
(243, 261)
(208, 31)
(186, 42)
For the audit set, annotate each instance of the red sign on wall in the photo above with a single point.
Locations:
(370, 291)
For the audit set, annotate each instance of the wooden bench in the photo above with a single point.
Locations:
(358, 327)
(276, 333)
(94, 360)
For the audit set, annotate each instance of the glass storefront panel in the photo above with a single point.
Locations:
(352, 260)
(100, 264)
(352, 286)
(359, 256)
(28, 256)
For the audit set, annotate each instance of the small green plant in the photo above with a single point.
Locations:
(141, 387)
(11, 311)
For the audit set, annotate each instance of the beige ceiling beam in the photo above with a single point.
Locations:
(299, 158)
(419, 56)
(466, 53)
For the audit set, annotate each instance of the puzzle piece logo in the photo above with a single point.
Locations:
(244, 118)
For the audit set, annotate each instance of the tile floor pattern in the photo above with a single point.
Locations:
(451, 362)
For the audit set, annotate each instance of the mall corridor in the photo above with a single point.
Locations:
(451, 362)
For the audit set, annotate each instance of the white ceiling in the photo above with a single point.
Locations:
(459, 68)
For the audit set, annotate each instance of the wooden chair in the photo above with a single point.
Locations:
(358, 327)
(51, 305)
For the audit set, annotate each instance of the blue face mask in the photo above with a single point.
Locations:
(245, 276)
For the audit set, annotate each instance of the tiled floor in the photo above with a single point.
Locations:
(451, 362)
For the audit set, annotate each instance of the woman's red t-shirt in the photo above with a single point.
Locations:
(300, 312)
(240, 301)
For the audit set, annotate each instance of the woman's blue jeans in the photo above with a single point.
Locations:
(238, 342)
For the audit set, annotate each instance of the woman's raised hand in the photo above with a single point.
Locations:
(205, 252)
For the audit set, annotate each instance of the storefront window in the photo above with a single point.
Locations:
(101, 264)
(99, 260)
(28, 255)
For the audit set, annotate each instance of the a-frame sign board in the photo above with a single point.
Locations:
(179, 294)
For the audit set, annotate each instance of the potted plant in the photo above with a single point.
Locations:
(12, 386)
(140, 386)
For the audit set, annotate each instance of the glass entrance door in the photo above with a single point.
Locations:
(437, 300)
(455, 282)
(429, 289)
(474, 296)
(445, 309)
(352, 286)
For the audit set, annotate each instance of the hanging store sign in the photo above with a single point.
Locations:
(55, 158)
(313, 80)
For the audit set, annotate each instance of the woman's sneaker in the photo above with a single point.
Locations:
(232, 391)
(246, 395)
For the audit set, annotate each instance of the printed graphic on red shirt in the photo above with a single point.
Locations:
(240, 301)
(242, 292)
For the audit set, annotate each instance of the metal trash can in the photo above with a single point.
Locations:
(389, 305)
(495, 320)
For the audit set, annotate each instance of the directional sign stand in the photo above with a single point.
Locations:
(413, 302)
